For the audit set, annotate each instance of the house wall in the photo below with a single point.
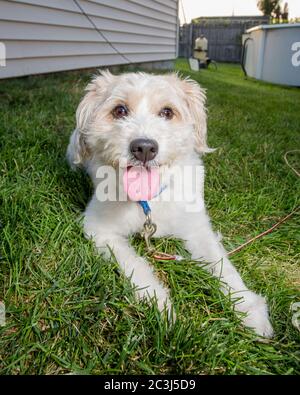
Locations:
(51, 35)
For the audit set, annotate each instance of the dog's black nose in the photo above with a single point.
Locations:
(144, 149)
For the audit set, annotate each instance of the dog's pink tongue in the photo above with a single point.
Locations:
(141, 183)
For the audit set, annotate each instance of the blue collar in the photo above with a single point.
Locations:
(144, 203)
(145, 206)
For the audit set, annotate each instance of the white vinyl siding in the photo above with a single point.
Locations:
(43, 36)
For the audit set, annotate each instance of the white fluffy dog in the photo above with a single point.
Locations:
(153, 120)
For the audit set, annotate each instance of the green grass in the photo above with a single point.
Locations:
(68, 310)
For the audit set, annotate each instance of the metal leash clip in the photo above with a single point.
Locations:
(148, 231)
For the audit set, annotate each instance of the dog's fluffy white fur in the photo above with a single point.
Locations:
(100, 139)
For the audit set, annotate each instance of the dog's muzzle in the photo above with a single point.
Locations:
(143, 149)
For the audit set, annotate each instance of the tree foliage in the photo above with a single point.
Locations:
(267, 7)
(274, 10)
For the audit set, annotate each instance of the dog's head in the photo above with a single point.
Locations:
(139, 119)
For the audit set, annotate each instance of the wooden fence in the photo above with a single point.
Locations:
(224, 36)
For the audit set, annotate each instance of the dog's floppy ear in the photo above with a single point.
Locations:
(78, 151)
(195, 97)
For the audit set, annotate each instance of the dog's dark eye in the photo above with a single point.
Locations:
(120, 112)
(166, 112)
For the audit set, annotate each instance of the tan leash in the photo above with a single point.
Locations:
(277, 223)
(150, 228)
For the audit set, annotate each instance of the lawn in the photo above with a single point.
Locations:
(70, 311)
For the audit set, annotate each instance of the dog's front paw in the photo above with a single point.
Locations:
(257, 317)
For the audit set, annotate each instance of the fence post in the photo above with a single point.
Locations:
(190, 41)
(223, 35)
